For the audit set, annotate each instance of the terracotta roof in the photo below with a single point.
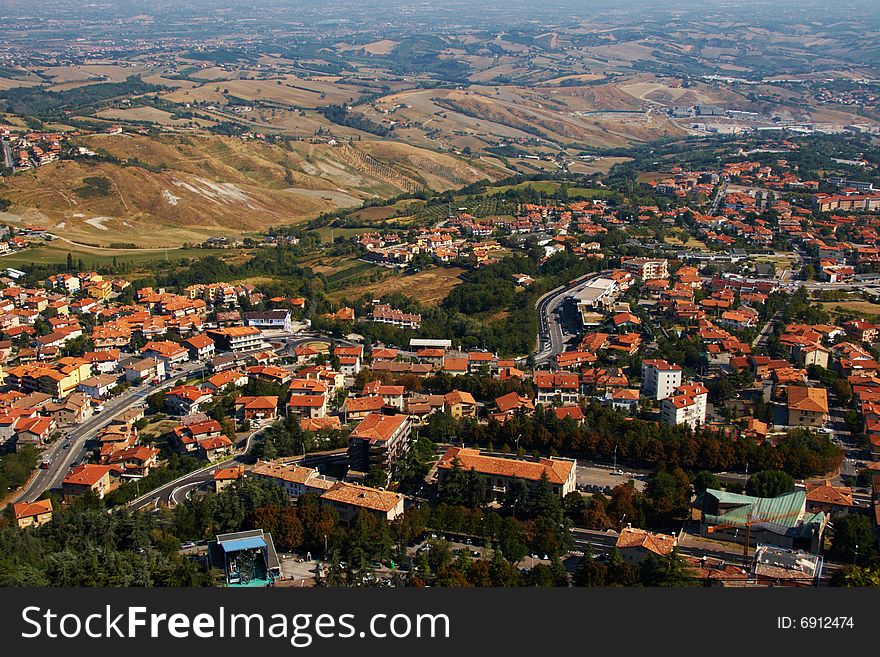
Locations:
(217, 442)
(30, 509)
(262, 403)
(378, 427)
(295, 474)
(557, 471)
(86, 474)
(306, 401)
(319, 423)
(659, 544)
(199, 341)
(573, 412)
(359, 404)
(459, 397)
(226, 474)
(512, 401)
(363, 496)
(824, 493)
(801, 398)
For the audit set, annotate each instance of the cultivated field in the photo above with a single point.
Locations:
(430, 287)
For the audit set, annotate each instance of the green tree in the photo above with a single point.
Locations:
(704, 480)
(770, 483)
(853, 539)
(668, 570)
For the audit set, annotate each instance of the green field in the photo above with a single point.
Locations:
(338, 278)
(328, 234)
(550, 187)
(56, 253)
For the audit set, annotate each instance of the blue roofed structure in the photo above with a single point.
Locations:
(247, 558)
(238, 544)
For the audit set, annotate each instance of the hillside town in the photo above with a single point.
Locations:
(698, 382)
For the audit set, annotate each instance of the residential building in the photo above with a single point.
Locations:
(379, 441)
(257, 408)
(86, 478)
(348, 500)
(807, 407)
(355, 409)
(779, 566)
(562, 387)
(636, 545)
(833, 500)
(277, 320)
(686, 406)
(500, 472)
(187, 399)
(460, 404)
(296, 480)
(660, 379)
(307, 406)
(200, 347)
(225, 477)
(32, 514)
(647, 268)
(145, 370)
(385, 314)
(170, 352)
(237, 339)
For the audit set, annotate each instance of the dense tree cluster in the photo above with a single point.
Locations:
(86, 546)
(802, 453)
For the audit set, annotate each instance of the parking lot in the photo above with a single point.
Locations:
(596, 478)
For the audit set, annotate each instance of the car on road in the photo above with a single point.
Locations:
(66, 445)
(188, 545)
(45, 465)
(98, 408)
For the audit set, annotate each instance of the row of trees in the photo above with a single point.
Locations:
(802, 453)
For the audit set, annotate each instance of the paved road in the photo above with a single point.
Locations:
(551, 334)
(61, 460)
(719, 196)
(175, 492)
(764, 335)
(7, 155)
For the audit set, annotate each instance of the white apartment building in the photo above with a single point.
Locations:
(687, 406)
(647, 268)
(660, 379)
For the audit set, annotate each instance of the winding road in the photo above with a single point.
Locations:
(551, 334)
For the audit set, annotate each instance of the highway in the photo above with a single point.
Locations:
(174, 492)
(7, 155)
(552, 337)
